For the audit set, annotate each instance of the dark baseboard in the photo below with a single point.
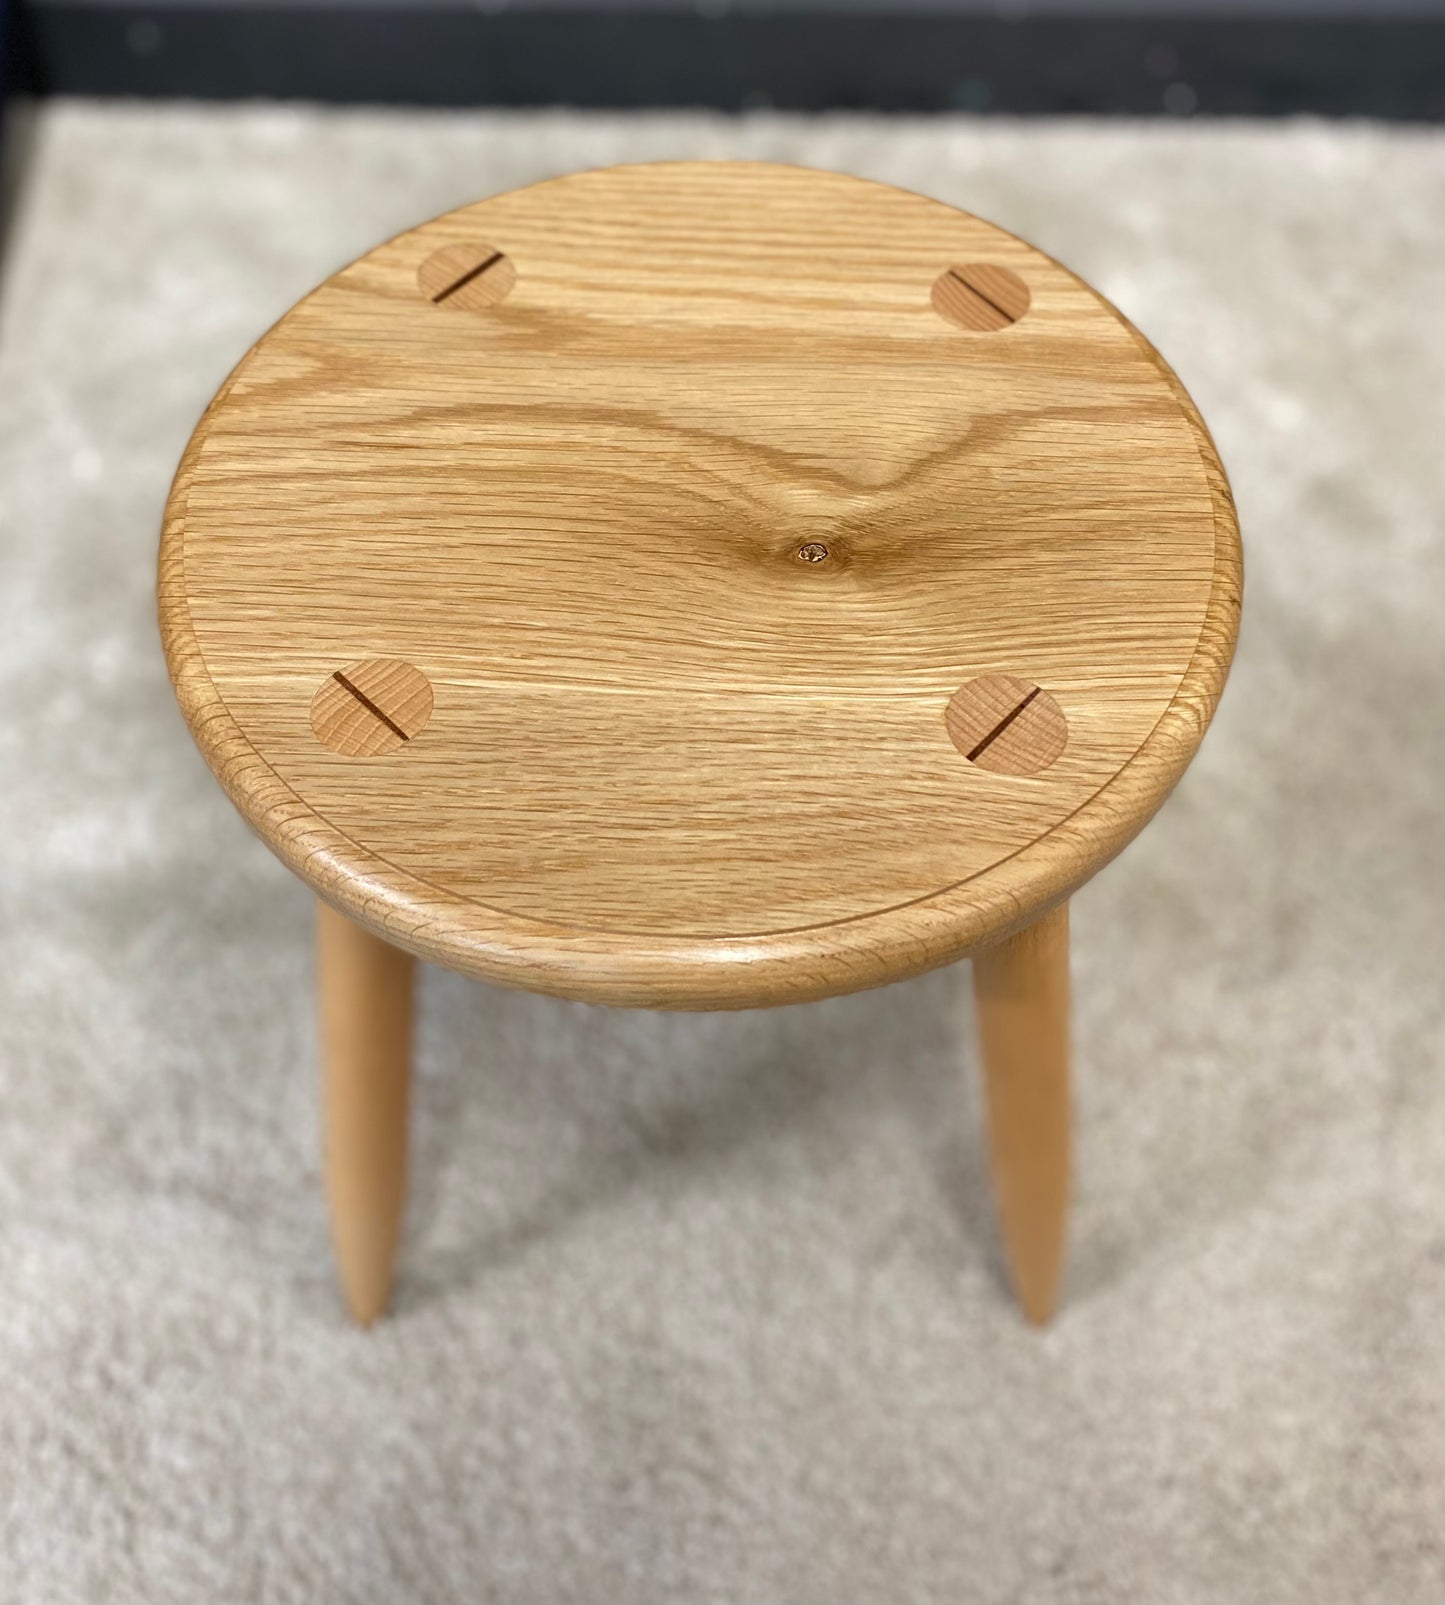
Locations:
(1371, 64)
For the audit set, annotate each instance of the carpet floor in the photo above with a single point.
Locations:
(708, 1308)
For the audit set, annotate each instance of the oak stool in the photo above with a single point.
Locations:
(699, 586)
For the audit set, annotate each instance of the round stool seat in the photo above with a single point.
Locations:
(699, 585)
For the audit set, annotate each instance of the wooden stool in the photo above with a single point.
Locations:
(699, 586)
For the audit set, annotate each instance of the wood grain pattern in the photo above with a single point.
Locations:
(467, 277)
(1021, 987)
(672, 760)
(1007, 725)
(371, 708)
(980, 296)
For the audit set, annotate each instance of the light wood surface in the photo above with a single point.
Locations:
(1005, 724)
(695, 510)
(466, 277)
(370, 708)
(1021, 987)
(980, 296)
(364, 987)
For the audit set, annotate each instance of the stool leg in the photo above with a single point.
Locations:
(1022, 991)
(364, 988)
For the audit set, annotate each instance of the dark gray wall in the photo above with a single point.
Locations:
(1385, 58)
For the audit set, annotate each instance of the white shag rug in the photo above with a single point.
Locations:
(708, 1308)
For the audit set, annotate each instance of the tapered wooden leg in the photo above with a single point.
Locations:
(364, 987)
(1022, 989)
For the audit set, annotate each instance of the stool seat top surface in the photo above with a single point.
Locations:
(699, 585)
